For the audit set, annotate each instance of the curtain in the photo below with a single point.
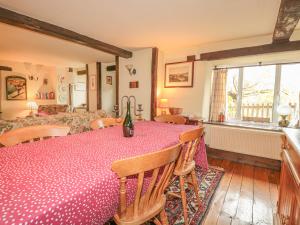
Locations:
(218, 96)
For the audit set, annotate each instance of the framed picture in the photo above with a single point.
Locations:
(16, 88)
(133, 84)
(93, 82)
(109, 80)
(180, 74)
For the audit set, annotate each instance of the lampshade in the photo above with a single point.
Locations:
(284, 110)
(163, 103)
(32, 105)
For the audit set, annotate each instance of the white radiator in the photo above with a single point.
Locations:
(246, 141)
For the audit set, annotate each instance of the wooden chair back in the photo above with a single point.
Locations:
(32, 133)
(174, 119)
(148, 205)
(105, 122)
(190, 141)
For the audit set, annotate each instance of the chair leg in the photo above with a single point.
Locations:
(163, 217)
(183, 199)
(196, 187)
(156, 221)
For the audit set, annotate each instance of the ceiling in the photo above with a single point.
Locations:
(22, 45)
(130, 24)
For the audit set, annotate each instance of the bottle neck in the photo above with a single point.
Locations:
(128, 108)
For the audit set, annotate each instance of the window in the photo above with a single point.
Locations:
(290, 88)
(258, 93)
(254, 93)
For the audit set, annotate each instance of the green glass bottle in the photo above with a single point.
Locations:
(128, 127)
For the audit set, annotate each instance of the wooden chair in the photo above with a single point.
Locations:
(185, 166)
(105, 122)
(32, 133)
(174, 119)
(151, 204)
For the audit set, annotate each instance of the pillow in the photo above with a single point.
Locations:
(41, 114)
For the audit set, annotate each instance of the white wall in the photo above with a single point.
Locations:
(64, 78)
(196, 100)
(108, 92)
(190, 99)
(79, 95)
(10, 108)
(141, 61)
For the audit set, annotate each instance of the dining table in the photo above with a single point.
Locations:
(68, 180)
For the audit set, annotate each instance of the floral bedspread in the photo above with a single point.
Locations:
(79, 122)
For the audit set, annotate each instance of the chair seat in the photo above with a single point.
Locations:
(188, 168)
(144, 216)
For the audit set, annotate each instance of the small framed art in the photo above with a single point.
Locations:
(180, 74)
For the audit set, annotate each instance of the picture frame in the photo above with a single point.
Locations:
(16, 88)
(109, 80)
(133, 84)
(179, 75)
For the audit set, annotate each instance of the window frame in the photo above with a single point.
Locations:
(276, 97)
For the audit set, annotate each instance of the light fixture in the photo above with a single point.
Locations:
(284, 111)
(163, 104)
(31, 105)
(131, 70)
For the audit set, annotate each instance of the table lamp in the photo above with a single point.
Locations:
(31, 105)
(163, 104)
(284, 111)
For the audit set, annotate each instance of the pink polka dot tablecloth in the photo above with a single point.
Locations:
(68, 180)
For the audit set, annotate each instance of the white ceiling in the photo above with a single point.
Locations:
(22, 45)
(167, 24)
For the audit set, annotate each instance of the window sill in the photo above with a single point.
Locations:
(248, 125)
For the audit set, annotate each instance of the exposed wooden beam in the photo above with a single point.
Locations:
(287, 20)
(87, 88)
(154, 66)
(255, 50)
(29, 23)
(111, 68)
(5, 68)
(81, 72)
(117, 79)
(99, 86)
(190, 58)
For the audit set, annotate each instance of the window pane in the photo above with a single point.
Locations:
(232, 91)
(290, 88)
(258, 93)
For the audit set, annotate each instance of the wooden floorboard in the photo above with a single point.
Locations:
(262, 211)
(246, 195)
(245, 205)
(232, 196)
(217, 203)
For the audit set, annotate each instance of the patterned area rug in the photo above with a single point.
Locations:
(209, 181)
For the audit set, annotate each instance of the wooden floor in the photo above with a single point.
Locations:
(246, 195)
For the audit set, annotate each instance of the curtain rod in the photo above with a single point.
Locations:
(252, 65)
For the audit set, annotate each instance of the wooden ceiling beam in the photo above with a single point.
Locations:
(287, 20)
(255, 50)
(29, 23)
(5, 68)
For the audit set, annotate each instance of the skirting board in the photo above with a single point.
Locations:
(243, 158)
